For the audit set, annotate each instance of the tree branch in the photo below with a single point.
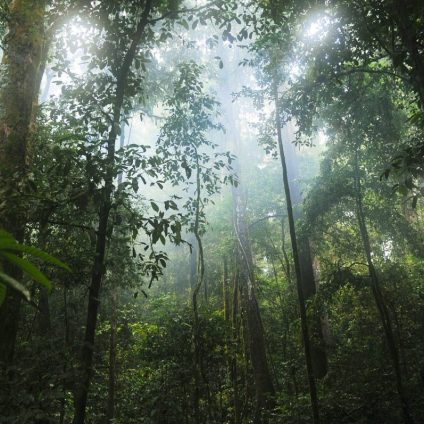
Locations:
(180, 12)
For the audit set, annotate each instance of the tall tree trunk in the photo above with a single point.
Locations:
(383, 311)
(251, 325)
(43, 318)
(309, 285)
(62, 411)
(264, 387)
(106, 204)
(225, 291)
(18, 93)
(195, 299)
(199, 370)
(286, 262)
(234, 366)
(231, 316)
(297, 267)
(121, 146)
(110, 415)
(193, 263)
(318, 352)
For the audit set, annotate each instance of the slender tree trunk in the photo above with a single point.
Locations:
(286, 263)
(234, 367)
(110, 415)
(121, 146)
(62, 411)
(193, 263)
(205, 290)
(297, 267)
(43, 318)
(106, 204)
(196, 288)
(199, 373)
(309, 284)
(383, 311)
(225, 291)
(231, 316)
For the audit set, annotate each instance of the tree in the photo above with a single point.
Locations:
(18, 94)
(351, 126)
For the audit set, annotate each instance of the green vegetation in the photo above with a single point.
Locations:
(211, 212)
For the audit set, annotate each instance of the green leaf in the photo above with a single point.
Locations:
(29, 268)
(134, 184)
(155, 206)
(10, 244)
(172, 205)
(11, 282)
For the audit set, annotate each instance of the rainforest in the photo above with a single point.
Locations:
(211, 211)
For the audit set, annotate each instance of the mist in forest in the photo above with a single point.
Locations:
(210, 212)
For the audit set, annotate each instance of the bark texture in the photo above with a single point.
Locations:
(19, 89)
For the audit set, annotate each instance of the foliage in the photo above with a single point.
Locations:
(10, 250)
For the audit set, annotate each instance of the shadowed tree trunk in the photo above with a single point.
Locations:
(18, 94)
(233, 366)
(380, 302)
(231, 315)
(297, 267)
(226, 291)
(195, 299)
(309, 284)
(264, 387)
(318, 352)
(110, 415)
(193, 263)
